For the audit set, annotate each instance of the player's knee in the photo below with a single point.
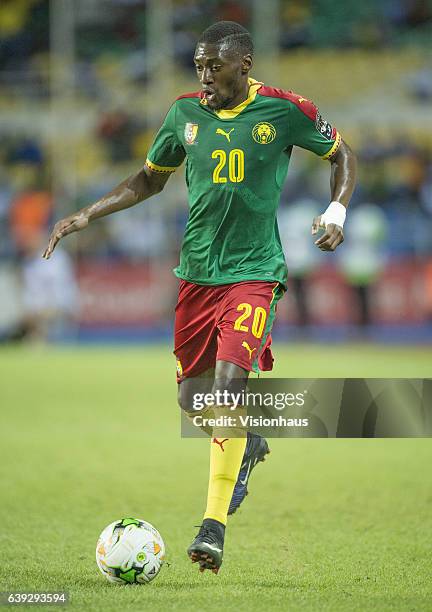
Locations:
(191, 393)
(188, 399)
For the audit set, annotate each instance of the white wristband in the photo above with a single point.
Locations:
(335, 213)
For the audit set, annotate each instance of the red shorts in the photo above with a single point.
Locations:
(224, 322)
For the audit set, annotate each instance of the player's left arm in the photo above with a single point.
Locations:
(342, 182)
(308, 130)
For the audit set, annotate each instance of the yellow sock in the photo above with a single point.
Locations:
(226, 455)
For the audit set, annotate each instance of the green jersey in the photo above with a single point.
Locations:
(236, 164)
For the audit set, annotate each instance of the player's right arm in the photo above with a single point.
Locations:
(165, 156)
(133, 190)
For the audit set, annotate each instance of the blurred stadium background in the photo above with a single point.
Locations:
(84, 85)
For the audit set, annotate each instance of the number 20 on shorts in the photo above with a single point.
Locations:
(258, 322)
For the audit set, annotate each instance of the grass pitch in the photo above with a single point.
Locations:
(90, 435)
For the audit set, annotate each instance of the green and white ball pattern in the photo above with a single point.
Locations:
(130, 551)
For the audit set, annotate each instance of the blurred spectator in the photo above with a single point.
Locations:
(6, 242)
(50, 295)
(15, 42)
(426, 189)
(362, 258)
(419, 12)
(25, 151)
(23, 30)
(302, 256)
(30, 212)
(49, 292)
(117, 129)
(296, 23)
(230, 10)
(139, 234)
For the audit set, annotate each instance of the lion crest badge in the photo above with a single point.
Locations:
(263, 132)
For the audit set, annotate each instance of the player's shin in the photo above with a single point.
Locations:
(227, 447)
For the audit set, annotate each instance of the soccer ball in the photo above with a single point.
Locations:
(130, 551)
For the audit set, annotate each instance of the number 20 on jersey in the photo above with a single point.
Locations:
(229, 167)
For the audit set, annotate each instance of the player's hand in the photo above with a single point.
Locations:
(73, 223)
(332, 237)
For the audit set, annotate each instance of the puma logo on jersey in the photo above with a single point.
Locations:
(248, 348)
(301, 100)
(223, 133)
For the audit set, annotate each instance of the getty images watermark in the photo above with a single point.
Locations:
(330, 408)
(279, 401)
(233, 401)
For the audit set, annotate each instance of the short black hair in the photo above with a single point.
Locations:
(231, 33)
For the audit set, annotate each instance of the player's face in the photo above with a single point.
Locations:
(222, 74)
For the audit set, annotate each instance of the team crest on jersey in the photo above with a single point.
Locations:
(263, 132)
(190, 132)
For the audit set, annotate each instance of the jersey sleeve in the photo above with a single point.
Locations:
(166, 153)
(310, 131)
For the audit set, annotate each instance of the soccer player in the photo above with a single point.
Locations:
(237, 136)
